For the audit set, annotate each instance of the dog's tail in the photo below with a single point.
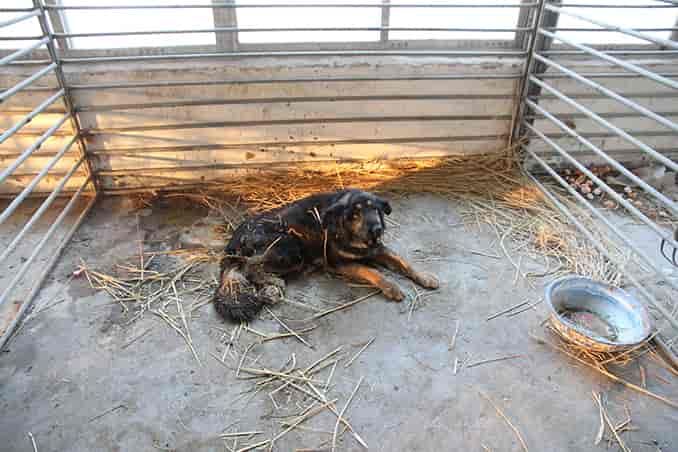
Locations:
(237, 299)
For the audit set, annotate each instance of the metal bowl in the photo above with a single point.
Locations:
(596, 316)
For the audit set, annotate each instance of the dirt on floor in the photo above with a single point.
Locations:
(85, 373)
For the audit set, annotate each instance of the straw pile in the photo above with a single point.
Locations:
(491, 188)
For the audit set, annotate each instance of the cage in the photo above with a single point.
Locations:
(105, 105)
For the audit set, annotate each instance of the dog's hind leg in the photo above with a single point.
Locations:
(393, 261)
(363, 273)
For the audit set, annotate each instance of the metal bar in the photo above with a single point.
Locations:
(21, 52)
(621, 6)
(274, 122)
(29, 117)
(623, 30)
(259, 30)
(608, 75)
(260, 145)
(611, 94)
(299, 5)
(15, 20)
(28, 300)
(385, 20)
(606, 115)
(636, 133)
(603, 186)
(61, 80)
(28, 151)
(27, 81)
(527, 70)
(29, 188)
(299, 53)
(19, 38)
(608, 125)
(38, 248)
(173, 83)
(619, 167)
(616, 61)
(646, 259)
(605, 30)
(284, 100)
(223, 18)
(600, 247)
(59, 23)
(41, 210)
(630, 52)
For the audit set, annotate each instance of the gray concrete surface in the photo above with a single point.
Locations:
(80, 377)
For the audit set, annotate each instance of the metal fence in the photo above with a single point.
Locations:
(547, 58)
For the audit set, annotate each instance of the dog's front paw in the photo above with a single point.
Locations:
(393, 293)
(428, 281)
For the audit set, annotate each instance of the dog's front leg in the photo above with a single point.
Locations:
(362, 273)
(389, 259)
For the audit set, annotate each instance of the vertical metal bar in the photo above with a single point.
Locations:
(385, 21)
(225, 18)
(519, 108)
(59, 23)
(547, 18)
(525, 18)
(68, 101)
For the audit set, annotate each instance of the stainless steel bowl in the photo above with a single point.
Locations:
(597, 316)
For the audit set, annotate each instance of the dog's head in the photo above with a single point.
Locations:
(356, 218)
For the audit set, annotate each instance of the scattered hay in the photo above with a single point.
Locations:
(491, 187)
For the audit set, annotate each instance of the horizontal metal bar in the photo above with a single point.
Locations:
(277, 144)
(607, 74)
(603, 186)
(611, 94)
(623, 237)
(173, 83)
(616, 61)
(299, 53)
(29, 188)
(284, 100)
(21, 52)
(41, 244)
(623, 52)
(302, 53)
(41, 210)
(15, 20)
(46, 270)
(28, 151)
(26, 82)
(601, 248)
(606, 30)
(297, 29)
(20, 38)
(277, 122)
(608, 125)
(16, 10)
(623, 30)
(635, 133)
(297, 5)
(608, 115)
(618, 6)
(29, 117)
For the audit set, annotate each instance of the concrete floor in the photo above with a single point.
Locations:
(80, 378)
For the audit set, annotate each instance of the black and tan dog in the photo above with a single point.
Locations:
(341, 231)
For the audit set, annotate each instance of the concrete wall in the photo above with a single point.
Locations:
(363, 129)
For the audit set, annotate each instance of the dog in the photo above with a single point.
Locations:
(340, 231)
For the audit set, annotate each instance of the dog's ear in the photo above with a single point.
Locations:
(384, 206)
(336, 210)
